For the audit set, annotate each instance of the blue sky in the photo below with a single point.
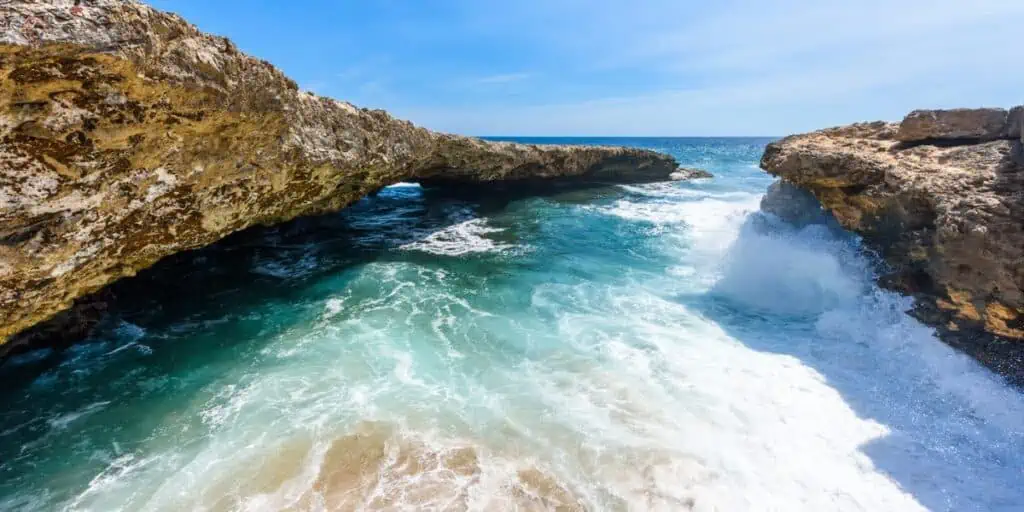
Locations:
(639, 67)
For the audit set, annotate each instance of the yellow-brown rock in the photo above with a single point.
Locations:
(954, 124)
(946, 214)
(127, 135)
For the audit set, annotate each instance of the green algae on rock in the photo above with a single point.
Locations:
(129, 135)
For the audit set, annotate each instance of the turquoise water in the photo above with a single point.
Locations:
(662, 346)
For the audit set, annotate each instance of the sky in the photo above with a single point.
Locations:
(637, 67)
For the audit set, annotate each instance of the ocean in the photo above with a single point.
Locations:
(643, 347)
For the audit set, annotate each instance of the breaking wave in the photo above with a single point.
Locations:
(662, 347)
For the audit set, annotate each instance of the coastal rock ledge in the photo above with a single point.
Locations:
(940, 197)
(129, 135)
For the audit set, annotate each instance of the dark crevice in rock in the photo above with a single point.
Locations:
(854, 189)
(913, 281)
(13, 233)
(71, 326)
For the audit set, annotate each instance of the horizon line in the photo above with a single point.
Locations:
(630, 136)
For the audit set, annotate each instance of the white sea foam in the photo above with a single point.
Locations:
(832, 419)
(333, 307)
(760, 369)
(796, 272)
(130, 334)
(465, 237)
(674, 190)
(62, 421)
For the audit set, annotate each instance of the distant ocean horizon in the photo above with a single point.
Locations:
(528, 138)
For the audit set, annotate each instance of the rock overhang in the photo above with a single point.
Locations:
(129, 135)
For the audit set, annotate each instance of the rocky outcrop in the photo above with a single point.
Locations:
(1014, 124)
(690, 173)
(940, 196)
(956, 124)
(129, 135)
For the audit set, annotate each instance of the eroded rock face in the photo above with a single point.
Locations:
(960, 123)
(128, 135)
(690, 173)
(947, 215)
(1015, 124)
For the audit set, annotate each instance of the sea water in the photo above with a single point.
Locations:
(661, 347)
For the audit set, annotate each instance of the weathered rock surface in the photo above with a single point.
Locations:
(947, 215)
(690, 173)
(128, 135)
(960, 123)
(1015, 124)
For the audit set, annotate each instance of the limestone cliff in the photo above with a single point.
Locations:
(128, 135)
(941, 197)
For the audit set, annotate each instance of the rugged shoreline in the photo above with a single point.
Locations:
(940, 197)
(129, 135)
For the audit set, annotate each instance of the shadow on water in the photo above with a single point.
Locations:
(955, 440)
(176, 328)
(264, 266)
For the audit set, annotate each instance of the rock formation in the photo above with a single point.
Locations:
(690, 173)
(940, 196)
(129, 135)
(978, 124)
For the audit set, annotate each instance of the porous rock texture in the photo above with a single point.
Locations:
(129, 135)
(956, 124)
(940, 196)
